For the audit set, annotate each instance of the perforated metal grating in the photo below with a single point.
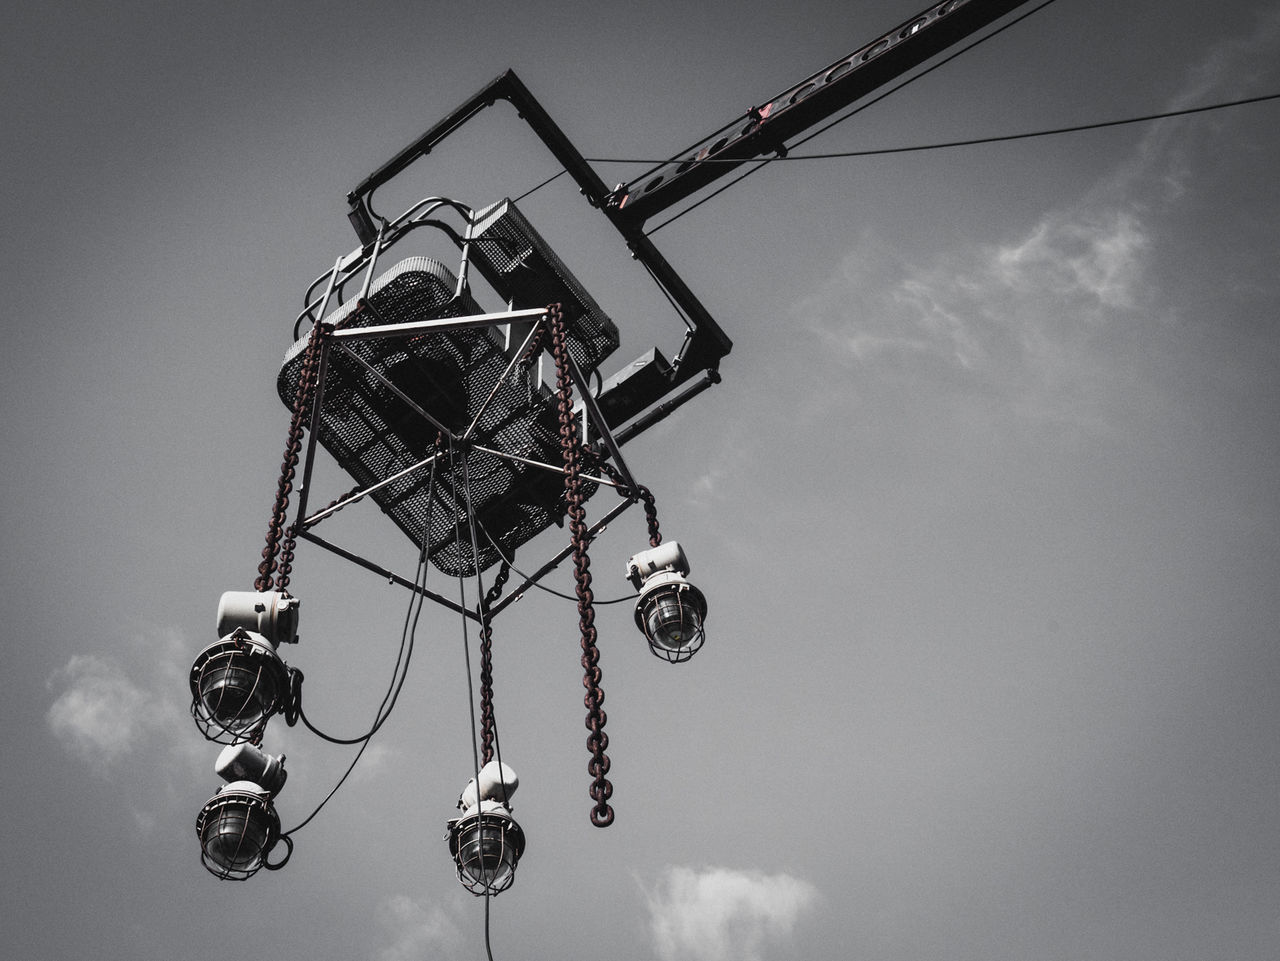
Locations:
(526, 272)
(374, 434)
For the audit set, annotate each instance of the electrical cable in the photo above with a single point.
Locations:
(544, 183)
(1002, 138)
(466, 646)
(487, 949)
(408, 635)
(381, 715)
(419, 599)
(466, 641)
(550, 590)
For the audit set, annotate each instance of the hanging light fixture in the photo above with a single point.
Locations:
(239, 826)
(238, 682)
(670, 611)
(486, 842)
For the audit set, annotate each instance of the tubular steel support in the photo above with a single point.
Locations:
(602, 425)
(413, 327)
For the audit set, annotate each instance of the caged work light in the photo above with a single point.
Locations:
(486, 842)
(670, 611)
(239, 681)
(239, 826)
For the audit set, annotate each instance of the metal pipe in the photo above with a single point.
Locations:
(445, 324)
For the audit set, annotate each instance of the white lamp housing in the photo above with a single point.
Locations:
(486, 842)
(245, 762)
(670, 611)
(497, 783)
(239, 826)
(239, 681)
(272, 614)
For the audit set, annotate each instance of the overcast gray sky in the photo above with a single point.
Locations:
(985, 508)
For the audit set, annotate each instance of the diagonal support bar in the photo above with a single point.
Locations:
(592, 532)
(389, 575)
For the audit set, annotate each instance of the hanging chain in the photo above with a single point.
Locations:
(536, 343)
(571, 443)
(286, 559)
(640, 491)
(307, 380)
(487, 725)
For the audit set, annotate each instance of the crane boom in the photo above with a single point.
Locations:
(765, 129)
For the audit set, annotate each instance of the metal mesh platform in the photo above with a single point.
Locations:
(373, 434)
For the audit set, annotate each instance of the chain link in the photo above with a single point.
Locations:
(487, 724)
(536, 344)
(640, 491)
(307, 380)
(571, 444)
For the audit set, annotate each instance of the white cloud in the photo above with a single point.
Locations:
(1039, 322)
(416, 930)
(111, 707)
(1027, 323)
(101, 711)
(1094, 255)
(718, 914)
(375, 760)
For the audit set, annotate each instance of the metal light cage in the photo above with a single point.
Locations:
(237, 828)
(237, 683)
(486, 847)
(671, 614)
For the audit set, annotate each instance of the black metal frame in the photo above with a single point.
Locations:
(649, 380)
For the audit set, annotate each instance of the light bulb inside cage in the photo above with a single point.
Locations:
(240, 681)
(670, 611)
(238, 826)
(237, 683)
(486, 844)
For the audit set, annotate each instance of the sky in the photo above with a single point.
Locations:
(985, 508)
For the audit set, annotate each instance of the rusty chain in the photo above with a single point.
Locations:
(571, 444)
(276, 532)
(639, 491)
(536, 343)
(487, 723)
